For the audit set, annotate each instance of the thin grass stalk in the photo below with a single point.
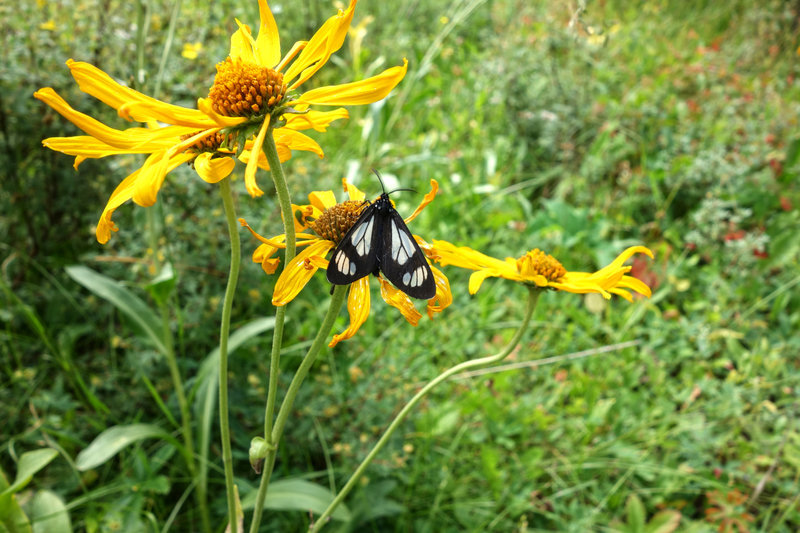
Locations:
(533, 296)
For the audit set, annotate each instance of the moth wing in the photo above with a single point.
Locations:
(357, 253)
(403, 262)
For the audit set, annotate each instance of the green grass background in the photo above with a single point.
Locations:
(577, 131)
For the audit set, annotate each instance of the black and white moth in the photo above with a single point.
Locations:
(379, 241)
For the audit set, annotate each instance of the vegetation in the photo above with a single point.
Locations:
(547, 125)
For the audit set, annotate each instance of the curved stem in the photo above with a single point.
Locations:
(533, 296)
(337, 300)
(284, 200)
(230, 290)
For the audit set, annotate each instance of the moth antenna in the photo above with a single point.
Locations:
(379, 179)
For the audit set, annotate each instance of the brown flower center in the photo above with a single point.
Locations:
(210, 143)
(244, 89)
(335, 222)
(537, 262)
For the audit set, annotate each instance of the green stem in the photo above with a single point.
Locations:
(337, 300)
(233, 277)
(533, 296)
(282, 191)
(285, 202)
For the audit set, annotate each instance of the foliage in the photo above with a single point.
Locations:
(665, 123)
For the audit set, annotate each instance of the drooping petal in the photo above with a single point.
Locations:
(318, 120)
(297, 273)
(425, 201)
(252, 163)
(400, 301)
(124, 192)
(477, 278)
(213, 169)
(327, 40)
(358, 92)
(358, 305)
(444, 296)
(206, 106)
(268, 43)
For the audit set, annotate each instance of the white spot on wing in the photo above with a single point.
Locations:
(362, 238)
(406, 278)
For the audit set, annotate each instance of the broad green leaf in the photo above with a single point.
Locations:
(297, 495)
(111, 441)
(30, 463)
(49, 514)
(12, 518)
(636, 514)
(664, 522)
(130, 305)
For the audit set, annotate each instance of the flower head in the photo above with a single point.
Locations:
(321, 224)
(258, 84)
(542, 270)
(253, 90)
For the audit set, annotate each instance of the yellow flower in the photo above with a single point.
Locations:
(542, 270)
(256, 83)
(249, 93)
(192, 50)
(330, 221)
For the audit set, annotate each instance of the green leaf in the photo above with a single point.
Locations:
(143, 318)
(664, 522)
(162, 285)
(636, 514)
(298, 495)
(108, 443)
(12, 518)
(49, 514)
(30, 463)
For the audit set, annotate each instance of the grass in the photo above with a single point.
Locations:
(654, 123)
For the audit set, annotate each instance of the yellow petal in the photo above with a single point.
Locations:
(476, 280)
(400, 301)
(354, 193)
(206, 106)
(297, 273)
(213, 169)
(294, 140)
(242, 44)
(444, 296)
(124, 192)
(322, 200)
(252, 163)
(327, 40)
(356, 93)
(358, 304)
(425, 201)
(97, 83)
(268, 44)
(318, 120)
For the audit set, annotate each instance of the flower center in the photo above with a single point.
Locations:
(335, 222)
(537, 262)
(244, 89)
(211, 143)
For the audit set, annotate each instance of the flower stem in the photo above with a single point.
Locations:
(533, 296)
(284, 200)
(337, 300)
(233, 277)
